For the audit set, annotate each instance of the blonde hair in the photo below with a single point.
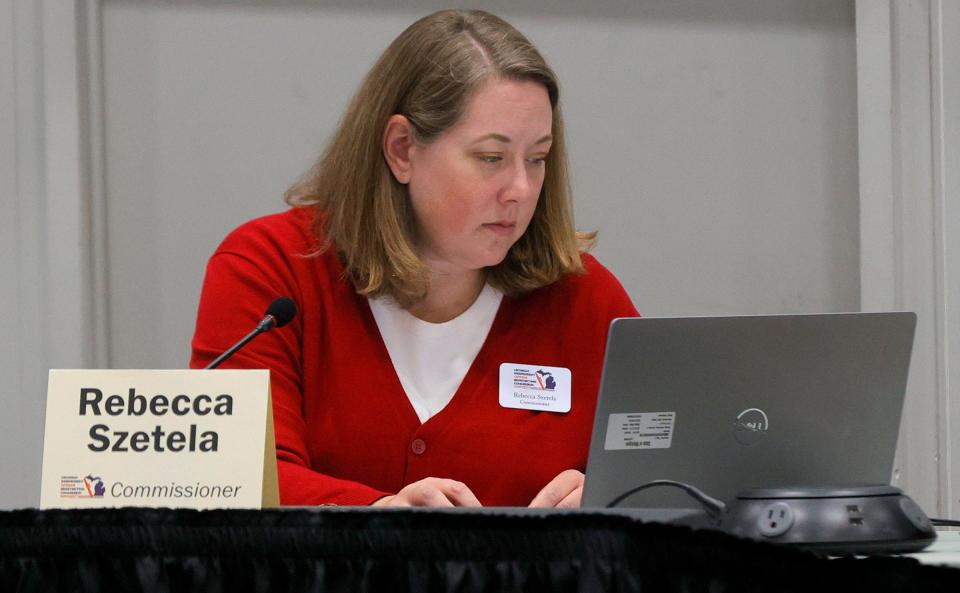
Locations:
(428, 74)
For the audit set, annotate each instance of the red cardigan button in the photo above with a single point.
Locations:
(418, 446)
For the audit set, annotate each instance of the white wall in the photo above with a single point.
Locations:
(714, 146)
(31, 342)
(909, 105)
(949, 192)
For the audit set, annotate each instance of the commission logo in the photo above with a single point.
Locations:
(750, 426)
(546, 380)
(540, 379)
(89, 486)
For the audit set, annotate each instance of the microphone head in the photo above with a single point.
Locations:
(283, 310)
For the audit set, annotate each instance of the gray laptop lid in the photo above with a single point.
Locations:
(730, 403)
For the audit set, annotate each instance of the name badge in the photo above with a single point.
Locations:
(535, 387)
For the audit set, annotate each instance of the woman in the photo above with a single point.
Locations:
(451, 333)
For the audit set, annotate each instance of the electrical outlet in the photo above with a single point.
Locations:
(776, 519)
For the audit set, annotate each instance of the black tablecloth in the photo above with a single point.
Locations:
(413, 550)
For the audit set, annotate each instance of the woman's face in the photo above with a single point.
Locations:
(475, 187)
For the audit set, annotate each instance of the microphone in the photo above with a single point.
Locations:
(280, 312)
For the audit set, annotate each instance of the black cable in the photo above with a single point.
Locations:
(945, 522)
(713, 506)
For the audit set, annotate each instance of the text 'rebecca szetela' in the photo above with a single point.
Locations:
(102, 438)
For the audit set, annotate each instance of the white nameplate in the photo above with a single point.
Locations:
(159, 438)
(535, 387)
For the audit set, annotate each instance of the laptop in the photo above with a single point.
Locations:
(731, 403)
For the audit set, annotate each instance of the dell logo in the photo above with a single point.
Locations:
(750, 426)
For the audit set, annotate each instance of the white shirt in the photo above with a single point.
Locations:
(431, 359)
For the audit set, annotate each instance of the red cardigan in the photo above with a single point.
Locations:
(346, 432)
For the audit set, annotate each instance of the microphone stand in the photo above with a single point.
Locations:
(266, 324)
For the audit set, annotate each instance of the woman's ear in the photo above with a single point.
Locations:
(397, 142)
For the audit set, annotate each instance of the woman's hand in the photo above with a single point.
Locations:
(431, 492)
(564, 491)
